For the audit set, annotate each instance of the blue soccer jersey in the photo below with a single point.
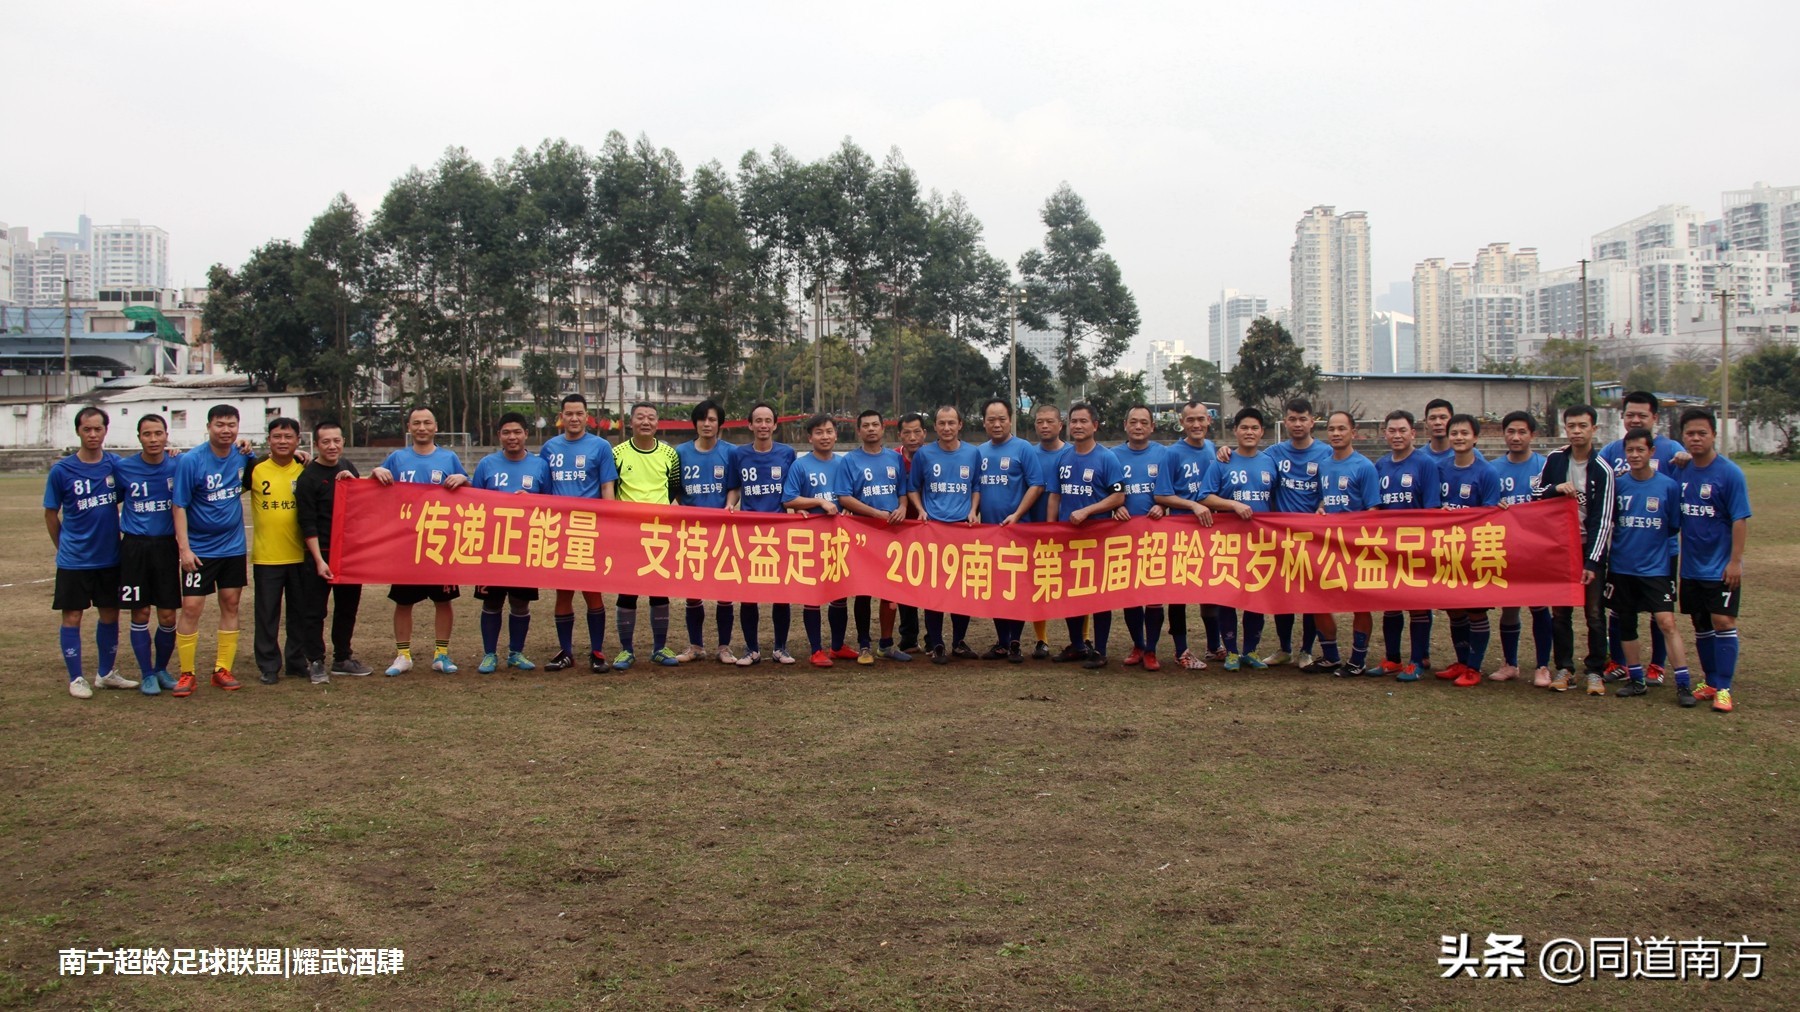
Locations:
(811, 478)
(1712, 499)
(499, 474)
(1083, 479)
(1188, 465)
(707, 476)
(1145, 475)
(945, 481)
(762, 474)
(1647, 514)
(207, 486)
(146, 496)
(1046, 462)
(877, 480)
(1442, 458)
(1464, 488)
(1250, 480)
(88, 496)
(1662, 455)
(1349, 484)
(1297, 475)
(1410, 484)
(1007, 470)
(579, 467)
(409, 465)
(1515, 476)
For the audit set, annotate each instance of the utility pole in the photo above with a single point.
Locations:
(818, 346)
(1587, 348)
(1724, 297)
(68, 376)
(1013, 295)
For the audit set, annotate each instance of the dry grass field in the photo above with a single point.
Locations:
(973, 836)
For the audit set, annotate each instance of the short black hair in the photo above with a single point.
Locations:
(219, 411)
(1519, 416)
(151, 417)
(991, 401)
(284, 422)
(700, 410)
(867, 413)
(1640, 433)
(759, 405)
(1197, 404)
(910, 418)
(1143, 407)
(511, 417)
(644, 404)
(574, 398)
(1249, 412)
(1699, 415)
(1580, 409)
(1044, 406)
(1643, 397)
(1346, 414)
(821, 419)
(1093, 416)
(1298, 405)
(325, 423)
(1401, 414)
(105, 419)
(941, 408)
(1471, 421)
(1439, 402)
(415, 409)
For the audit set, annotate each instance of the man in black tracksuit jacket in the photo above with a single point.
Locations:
(1577, 470)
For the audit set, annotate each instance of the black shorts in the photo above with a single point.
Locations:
(149, 572)
(1709, 597)
(502, 593)
(215, 574)
(1636, 595)
(406, 594)
(81, 589)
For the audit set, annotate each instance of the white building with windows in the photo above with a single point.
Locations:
(1162, 355)
(130, 255)
(1227, 320)
(1331, 303)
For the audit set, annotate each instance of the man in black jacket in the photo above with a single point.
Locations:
(1577, 470)
(314, 500)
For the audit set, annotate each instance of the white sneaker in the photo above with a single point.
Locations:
(1278, 657)
(402, 664)
(1505, 673)
(1190, 661)
(78, 687)
(750, 657)
(692, 653)
(114, 680)
(726, 656)
(784, 657)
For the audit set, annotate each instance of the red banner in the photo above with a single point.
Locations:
(1277, 563)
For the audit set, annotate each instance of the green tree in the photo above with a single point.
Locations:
(1113, 394)
(1271, 369)
(542, 381)
(1767, 390)
(1076, 290)
(255, 317)
(336, 274)
(1194, 379)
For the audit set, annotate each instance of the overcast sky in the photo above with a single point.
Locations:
(1197, 133)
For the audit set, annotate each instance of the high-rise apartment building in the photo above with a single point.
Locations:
(1162, 355)
(131, 255)
(1470, 317)
(1329, 268)
(1226, 322)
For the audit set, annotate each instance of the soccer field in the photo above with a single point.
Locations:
(904, 836)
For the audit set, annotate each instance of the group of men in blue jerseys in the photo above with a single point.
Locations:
(1663, 527)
